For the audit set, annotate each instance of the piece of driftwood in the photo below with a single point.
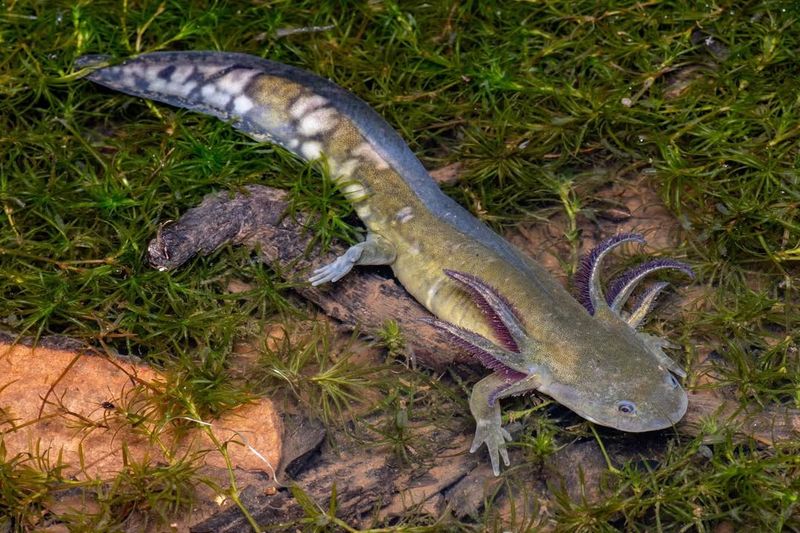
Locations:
(255, 217)
(376, 482)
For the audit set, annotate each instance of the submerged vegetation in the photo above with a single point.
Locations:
(543, 103)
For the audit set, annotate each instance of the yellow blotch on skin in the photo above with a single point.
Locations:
(342, 140)
(275, 94)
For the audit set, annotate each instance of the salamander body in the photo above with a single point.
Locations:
(494, 302)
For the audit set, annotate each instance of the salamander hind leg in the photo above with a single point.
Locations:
(375, 250)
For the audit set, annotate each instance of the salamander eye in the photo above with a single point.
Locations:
(672, 381)
(626, 408)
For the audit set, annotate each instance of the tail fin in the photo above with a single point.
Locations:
(92, 60)
(253, 94)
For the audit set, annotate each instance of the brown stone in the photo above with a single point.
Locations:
(80, 406)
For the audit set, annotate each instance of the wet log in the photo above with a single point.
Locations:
(256, 217)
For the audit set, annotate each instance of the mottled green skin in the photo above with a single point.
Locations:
(588, 363)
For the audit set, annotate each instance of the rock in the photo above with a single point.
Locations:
(87, 406)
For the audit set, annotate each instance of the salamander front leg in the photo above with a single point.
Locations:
(486, 411)
(488, 422)
(375, 250)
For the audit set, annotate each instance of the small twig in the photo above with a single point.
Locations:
(52, 387)
(245, 442)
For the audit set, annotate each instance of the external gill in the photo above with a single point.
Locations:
(513, 371)
(484, 350)
(498, 311)
(509, 360)
(590, 290)
(622, 287)
(591, 296)
(587, 278)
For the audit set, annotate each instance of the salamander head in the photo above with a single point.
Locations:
(627, 381)
(599, 366)
(622, 383)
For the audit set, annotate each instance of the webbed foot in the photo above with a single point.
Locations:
(338, 268)
(375, 250)
(486, 410)
(492, 434)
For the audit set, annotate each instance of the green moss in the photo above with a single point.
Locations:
(696, 486)
(540, 100)
(322, 377)
(26, 482)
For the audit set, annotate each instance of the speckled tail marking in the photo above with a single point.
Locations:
(267, 100)
(306, 114)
